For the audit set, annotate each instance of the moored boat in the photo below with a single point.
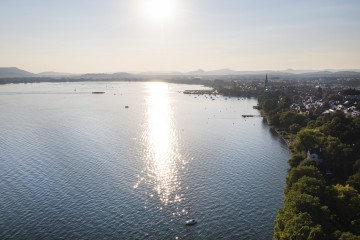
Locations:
(190, 222)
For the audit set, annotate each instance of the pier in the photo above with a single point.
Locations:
(246, 116)
(199, 92)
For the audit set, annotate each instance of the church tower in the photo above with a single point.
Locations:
(266, 81)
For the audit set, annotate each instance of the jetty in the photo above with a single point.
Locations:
(199, 92)
(246, 116)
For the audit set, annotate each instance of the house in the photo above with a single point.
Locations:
(316, 155)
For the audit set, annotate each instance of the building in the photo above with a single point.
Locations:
(266, 81)
(316, 155)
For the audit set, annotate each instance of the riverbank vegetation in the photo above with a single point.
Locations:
(322, 199)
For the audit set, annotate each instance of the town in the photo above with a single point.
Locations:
(307, 96)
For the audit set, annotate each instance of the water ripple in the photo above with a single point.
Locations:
(81, 166)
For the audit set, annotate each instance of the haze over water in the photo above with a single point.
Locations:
(76, 165)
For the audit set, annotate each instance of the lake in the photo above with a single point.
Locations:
(77, 165)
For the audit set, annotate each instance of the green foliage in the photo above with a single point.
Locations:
(308, 162)
(333, 97)
(295, 160)
(296, 173)
(300, 217)
(296, 99)
(310, 185)
(308, 138)
(338, 155)
(356, 166)
(294, 128)
(269, 104)
(301, 202)
(288, 118)
(342, 127)
(273, 104)
(311, 124)
(284, 102)
(355, 226)
(348, 236)
(274, 119)
(345, 205)
(350, 91)
(296, 226)
(303, 215)
(324, 118)
(354, 181)
(313, 208)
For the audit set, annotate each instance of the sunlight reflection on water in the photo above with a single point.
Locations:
(163, 161)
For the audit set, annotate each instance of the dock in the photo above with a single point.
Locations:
(246, 116)
(199, 92)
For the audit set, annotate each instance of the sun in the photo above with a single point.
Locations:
(159, 11)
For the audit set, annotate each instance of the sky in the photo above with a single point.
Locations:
(79, 36)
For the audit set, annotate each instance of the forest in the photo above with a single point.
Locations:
(321, 198)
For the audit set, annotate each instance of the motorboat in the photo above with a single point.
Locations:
(190, 222)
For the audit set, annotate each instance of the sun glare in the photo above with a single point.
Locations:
(159, 11)
(163, 159)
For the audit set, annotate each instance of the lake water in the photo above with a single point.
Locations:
(76, 165)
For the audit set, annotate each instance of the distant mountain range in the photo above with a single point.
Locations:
(55, 74)
(13, 72)
(289, 72)
(106, 75)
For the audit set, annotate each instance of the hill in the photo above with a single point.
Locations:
(54, 74)
(13, 72)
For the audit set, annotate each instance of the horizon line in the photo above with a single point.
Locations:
(190, 71)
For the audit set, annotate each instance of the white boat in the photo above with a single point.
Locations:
(190, 222)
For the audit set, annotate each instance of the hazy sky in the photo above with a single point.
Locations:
(179, 35)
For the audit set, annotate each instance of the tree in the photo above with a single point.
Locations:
(294, 128)
(295, 160)
(302, 202)
(336, 126)
(342, 127)
(346, 205)
(289, 226)
(284, 102)
(310, 185)
(308, 138)
(338, 155)
(289, 117)
(350, 91)
(356, 166)
(311, 124)
(273, 118)
(354, 181)
(334, 97)
(269, 104)
(296, 173)
(348, 236)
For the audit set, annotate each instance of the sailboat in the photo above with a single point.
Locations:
(190, 221)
